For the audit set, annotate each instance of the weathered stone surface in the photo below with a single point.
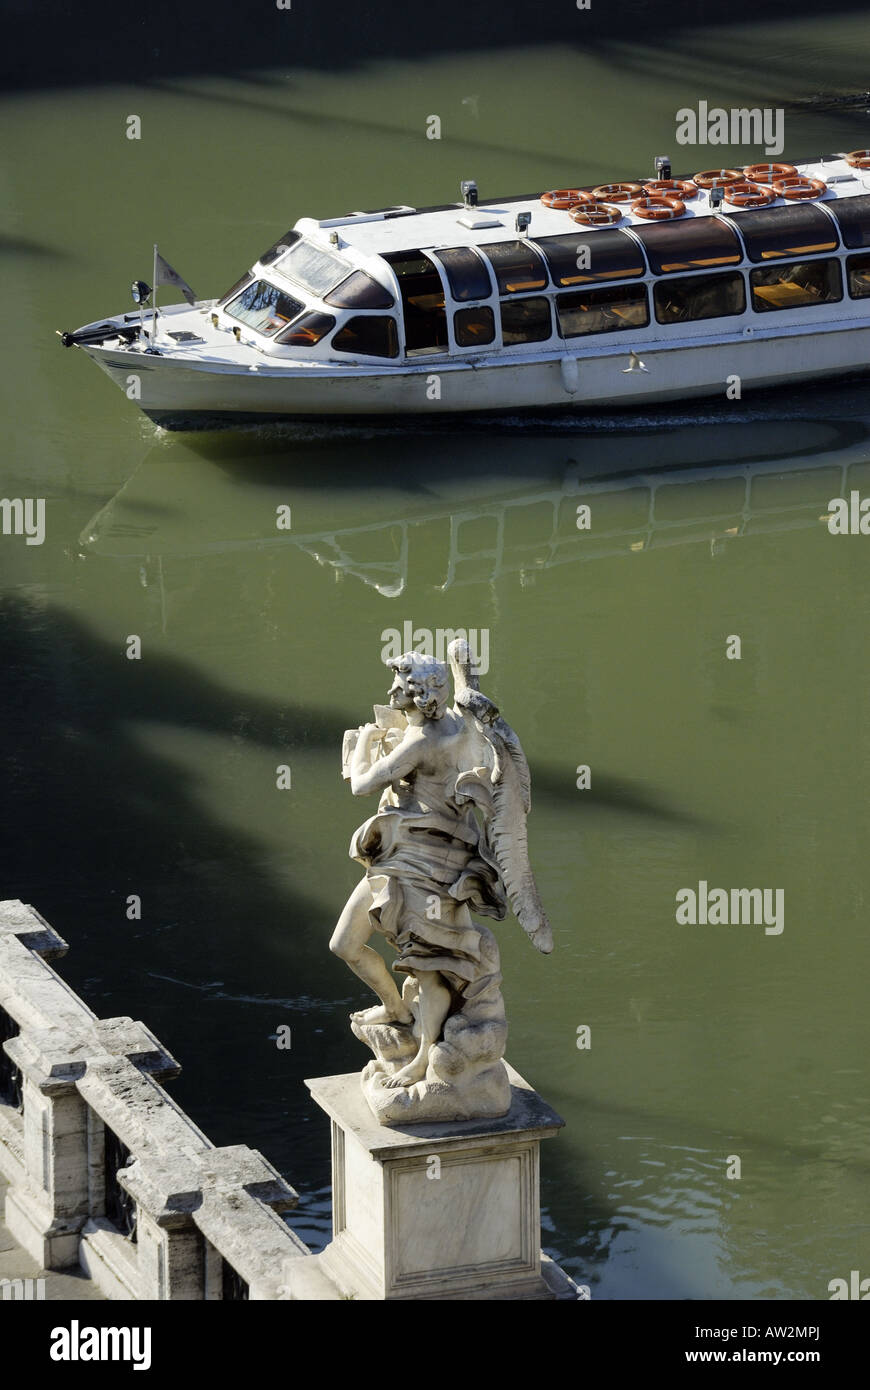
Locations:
(17, 1267)
(483, 1093)
(437, 1211)
(21, 920)
(195, 1204)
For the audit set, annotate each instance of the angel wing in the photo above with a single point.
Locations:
(508, 800)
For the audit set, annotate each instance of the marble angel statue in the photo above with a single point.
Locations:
(448, 839)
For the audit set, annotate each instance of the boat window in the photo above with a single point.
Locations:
(369, 335)
(264, 308)
(694, 243)
(307, 331)
(361, 291)
(858, 271)
(234, 289)
(796, 286)
(602, 311)
(467, 275)
(853, 217)
(517, 266)
(526, 321)
(281, 245)
(313, 267)
(693, 297)
(579, 259)
(422, 301)
(474, 327)
(798, 229)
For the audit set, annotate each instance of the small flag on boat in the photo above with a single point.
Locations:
(165, 275)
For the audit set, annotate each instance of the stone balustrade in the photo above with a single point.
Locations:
(104, 1169)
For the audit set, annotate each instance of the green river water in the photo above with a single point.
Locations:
(607, 648)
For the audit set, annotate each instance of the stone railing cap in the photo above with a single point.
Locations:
(21, 920)
(167, 1184)
(126, 1037)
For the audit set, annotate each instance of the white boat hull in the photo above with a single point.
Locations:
(177, 393)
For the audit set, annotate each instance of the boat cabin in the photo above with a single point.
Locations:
(448, 283)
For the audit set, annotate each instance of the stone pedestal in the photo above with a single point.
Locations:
(438, 1211)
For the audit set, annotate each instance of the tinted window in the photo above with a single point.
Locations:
(602, 311)
(234, 289)
(313, 267)
(467, 275)
(410, 265)
(858, 271)
(853, 216)
(795, 286)
(474, 327)
(361, 291)
(517, 266)
(699, 297)
(526, 321)
(606, 254)
(307, 330)
(798, 229)
(281, 245)
(370, 335)
(691, 243)
(264, 307)
(422, 293)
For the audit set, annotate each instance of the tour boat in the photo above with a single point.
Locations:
(619, 295)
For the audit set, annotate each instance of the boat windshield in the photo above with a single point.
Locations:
(264, 308)
(313, 267)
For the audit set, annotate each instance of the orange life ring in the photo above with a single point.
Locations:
(717, 178)
(595, 215)
(679, 188)
(768, 173)
(617, 192)
(799, 189)
(749, 195)
(656, 207)
(564, 198)
(859, 159)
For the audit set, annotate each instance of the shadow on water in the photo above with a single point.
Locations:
(24, 246)
(610, 793)
(340, 125)
(768, 424)
(91, 815)
(59, 44)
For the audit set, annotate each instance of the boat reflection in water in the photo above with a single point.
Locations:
(376, 507)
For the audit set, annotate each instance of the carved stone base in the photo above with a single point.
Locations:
(478, 1092)
(438, 1211)
(465, 1077)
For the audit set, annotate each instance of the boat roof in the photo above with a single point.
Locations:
(386, 230)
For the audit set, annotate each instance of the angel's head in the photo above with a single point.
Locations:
(421, 681)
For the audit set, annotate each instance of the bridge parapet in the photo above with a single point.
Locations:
(104, 1168)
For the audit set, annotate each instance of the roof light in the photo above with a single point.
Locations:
(468, 189)
(523, 222)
